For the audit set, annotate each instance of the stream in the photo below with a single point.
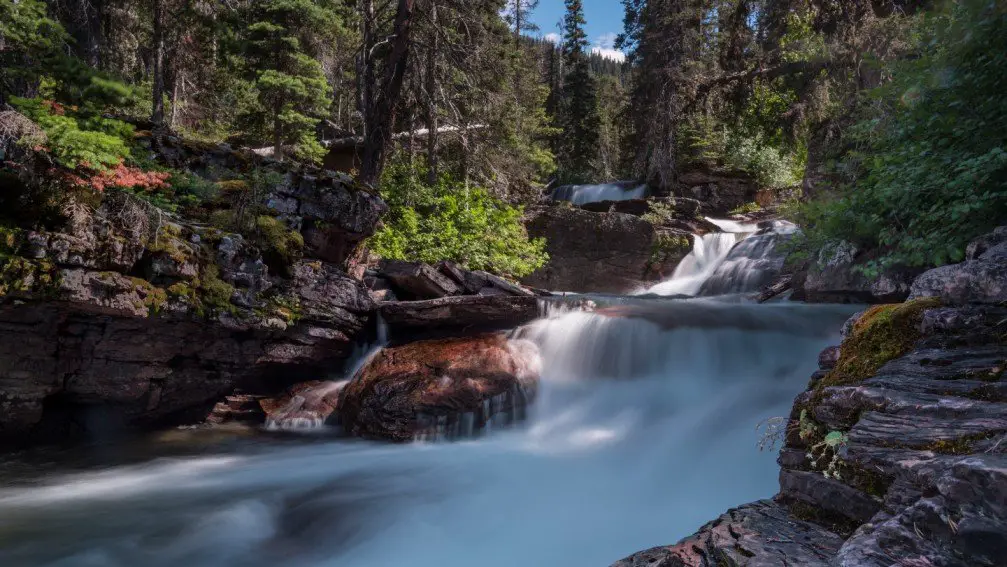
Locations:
(644, 429)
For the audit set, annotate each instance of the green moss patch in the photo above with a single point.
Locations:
(281, 246)
(154, 297)
(883, 333)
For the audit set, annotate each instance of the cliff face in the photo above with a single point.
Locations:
(897, 452)
(127, 316)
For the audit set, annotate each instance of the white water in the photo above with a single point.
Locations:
(708, 251)
(583, 194)
(643, 430)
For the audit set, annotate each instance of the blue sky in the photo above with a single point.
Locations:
(604, 21)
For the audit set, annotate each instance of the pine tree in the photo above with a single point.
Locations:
(578, 146)
(292, 90)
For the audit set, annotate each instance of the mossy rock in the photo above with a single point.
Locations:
(281, 246)
(882, 334)
(154, 297)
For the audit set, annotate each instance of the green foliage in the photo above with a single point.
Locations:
(747, 208)
(75, 139)
(928, 171)
(449, 221)
(659, 213)
(290, 84)
(281, 246)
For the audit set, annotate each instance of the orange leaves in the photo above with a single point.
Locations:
(119, 176)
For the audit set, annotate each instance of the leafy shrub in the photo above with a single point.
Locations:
(771, 166)
(747, 208)
(74, 140)
(660, 213)
(929, 168)
(450, 221)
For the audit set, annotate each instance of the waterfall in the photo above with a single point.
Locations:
(583, 194)
(752, 264)
(742, 258)
(708, 251)
(306, 409)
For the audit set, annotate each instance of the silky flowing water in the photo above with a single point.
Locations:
(644, 429)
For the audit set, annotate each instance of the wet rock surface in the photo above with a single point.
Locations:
(441, 389)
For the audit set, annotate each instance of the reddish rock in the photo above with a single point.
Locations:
(441, 389)
(309, 404)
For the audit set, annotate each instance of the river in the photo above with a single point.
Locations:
(644, 429)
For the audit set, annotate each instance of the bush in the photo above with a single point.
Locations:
(450, 221)
(74, 140)
(929, 169)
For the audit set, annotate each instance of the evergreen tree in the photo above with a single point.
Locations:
(578, 145)
(293, 93)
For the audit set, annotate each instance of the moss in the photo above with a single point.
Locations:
(20, 275)
(213, 292)
(10, 239)
(667, 246)
(154, 297)
(281, 245)
(232, 186)
(883, 333)
(169, 241)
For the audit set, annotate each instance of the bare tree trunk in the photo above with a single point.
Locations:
(431, 86)
(380, 115)
(157, 115)
(277, 134)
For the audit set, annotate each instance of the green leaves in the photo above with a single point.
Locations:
(450, 221)
(930, 162)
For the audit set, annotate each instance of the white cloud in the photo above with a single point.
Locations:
(604, 46)
(552, 37)
(613, 54)
(606, 40)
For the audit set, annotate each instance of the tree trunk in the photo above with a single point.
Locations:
(381, 114)
(431, 87)
(157, 115)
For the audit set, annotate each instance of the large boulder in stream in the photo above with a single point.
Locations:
(441, 389)
(603, 252)
(463, 314)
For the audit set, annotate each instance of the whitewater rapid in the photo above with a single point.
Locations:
(644, 430)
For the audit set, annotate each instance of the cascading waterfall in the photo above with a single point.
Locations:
(583, 194)
(297, 415)
(708, 251)
(643, 430)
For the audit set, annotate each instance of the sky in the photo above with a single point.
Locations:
(604, 22)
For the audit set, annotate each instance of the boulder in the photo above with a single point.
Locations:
(307, 405)
(442, 389)
(719, 191)
(835, 278)
(415, 280)
(980, 279)
(758, 534)
(460, 314)
(591, 252)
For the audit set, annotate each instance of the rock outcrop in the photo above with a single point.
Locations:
(982, 278)
(897, 452)
(465, 314)
(441, 389)
(126, 316)
(602, 252)
(835, 277)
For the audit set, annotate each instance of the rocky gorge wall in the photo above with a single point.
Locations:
(126, 316)
(897, 452)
